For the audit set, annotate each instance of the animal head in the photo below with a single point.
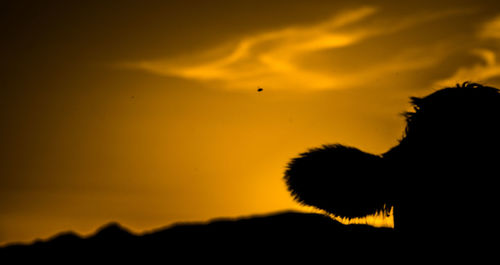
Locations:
(451, 131)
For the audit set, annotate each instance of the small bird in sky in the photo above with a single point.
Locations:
(259, 89)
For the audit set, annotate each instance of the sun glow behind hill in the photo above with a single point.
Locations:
(382, 218)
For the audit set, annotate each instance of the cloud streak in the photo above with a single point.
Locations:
(275, 58)
(269, 58)
(491, 29)
(487, 67)
(481, 72)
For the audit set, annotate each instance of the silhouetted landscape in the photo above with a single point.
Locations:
(256, 235)
(249, 131)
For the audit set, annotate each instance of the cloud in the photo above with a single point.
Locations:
(487, 66)
(491, 29)
(268, 59)
(275, 58)
(481, 72)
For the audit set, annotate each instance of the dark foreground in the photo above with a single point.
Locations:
(283, 235)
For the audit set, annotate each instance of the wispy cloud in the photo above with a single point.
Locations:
(491, 29)
(488, 66)
(269, 58)
(275, 58)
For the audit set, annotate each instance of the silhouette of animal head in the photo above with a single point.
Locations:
(451, 132)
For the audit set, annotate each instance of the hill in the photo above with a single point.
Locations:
(286, 232)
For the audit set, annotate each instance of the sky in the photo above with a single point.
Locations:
(147, 112)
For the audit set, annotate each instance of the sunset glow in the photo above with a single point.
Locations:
(149, 113)
(379, 219)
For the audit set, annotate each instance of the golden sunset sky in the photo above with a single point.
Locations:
(147, 112)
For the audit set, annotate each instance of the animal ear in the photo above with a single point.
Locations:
(338, 179)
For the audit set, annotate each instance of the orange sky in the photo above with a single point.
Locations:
(146, 112)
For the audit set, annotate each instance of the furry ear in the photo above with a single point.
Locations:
(338, 179)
